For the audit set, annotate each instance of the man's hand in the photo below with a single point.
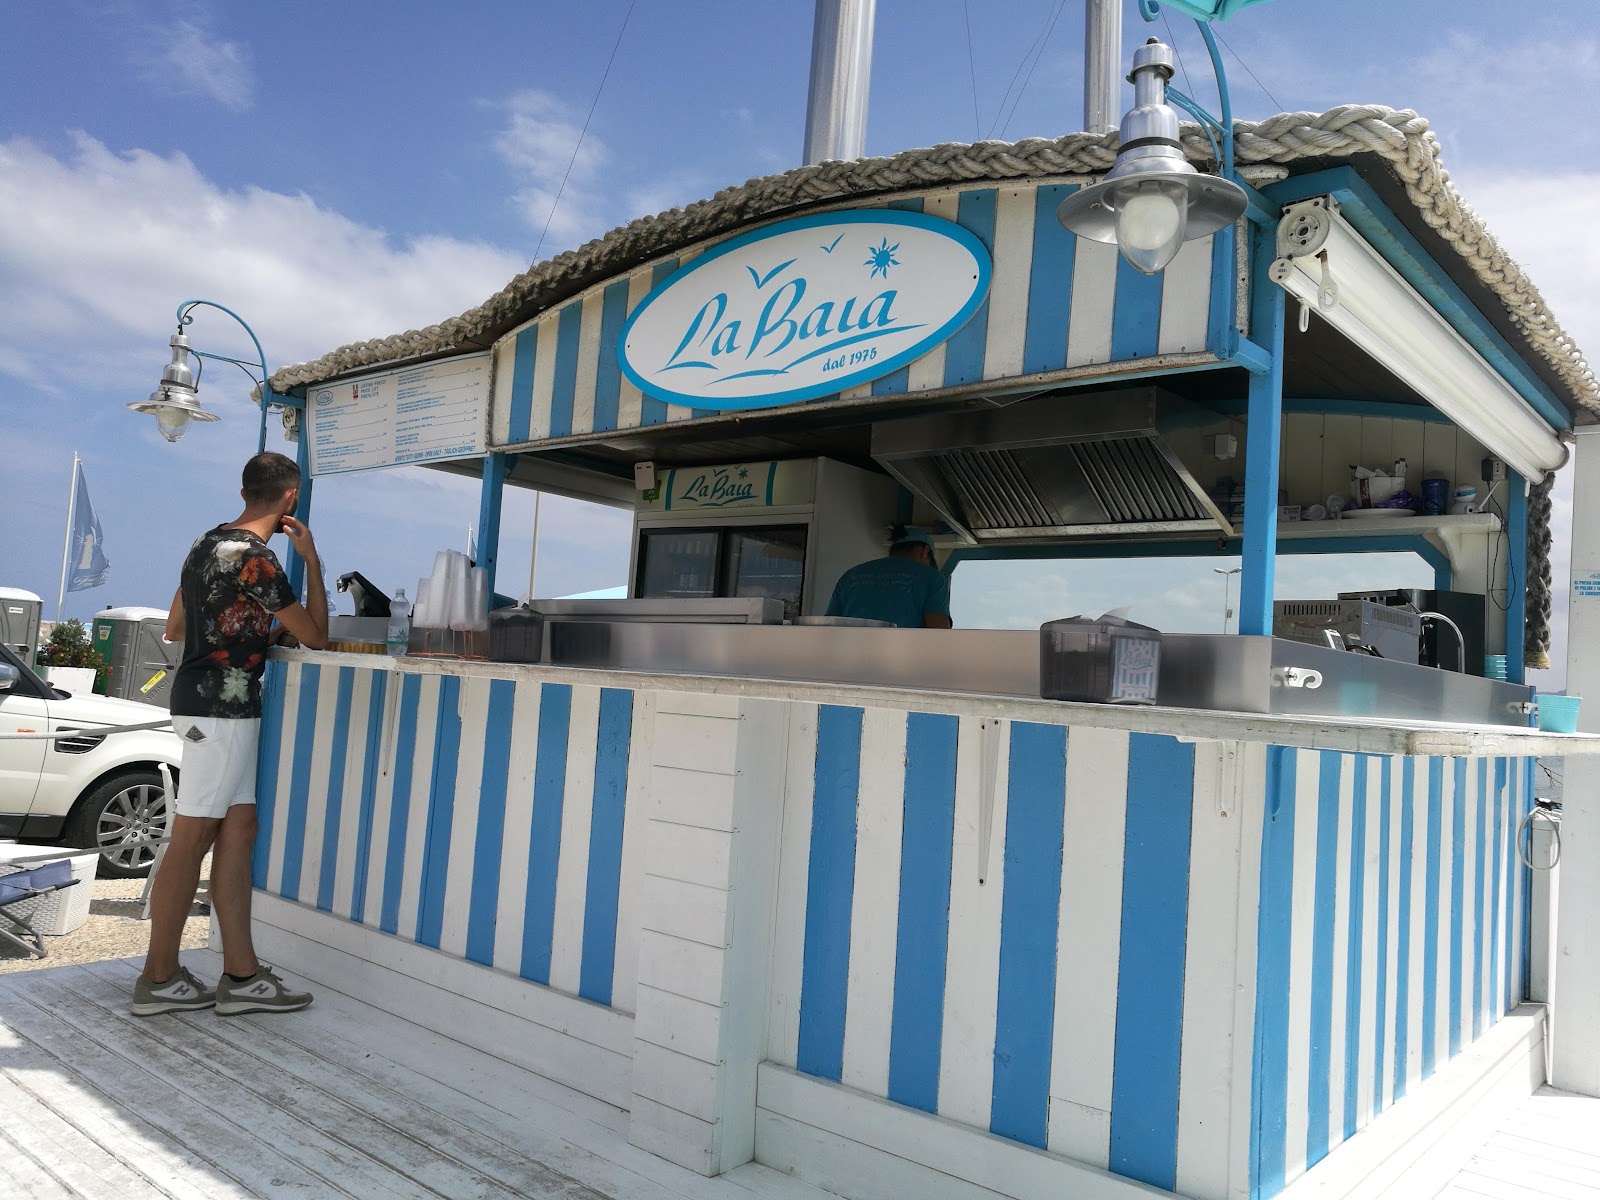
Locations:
(299, 537)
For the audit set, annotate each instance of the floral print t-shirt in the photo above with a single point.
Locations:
(231, 585)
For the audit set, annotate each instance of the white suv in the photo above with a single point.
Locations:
(91, 790)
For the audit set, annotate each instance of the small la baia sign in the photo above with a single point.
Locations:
(804, 308)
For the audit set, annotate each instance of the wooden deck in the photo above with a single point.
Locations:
(340, 1100)
(1547, 1149)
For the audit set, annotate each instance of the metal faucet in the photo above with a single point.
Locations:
(1461, 642)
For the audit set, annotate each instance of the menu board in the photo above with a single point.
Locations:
(427, 413)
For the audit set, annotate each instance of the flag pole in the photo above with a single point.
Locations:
(66, 537)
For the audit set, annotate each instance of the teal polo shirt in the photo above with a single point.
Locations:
(898, 590)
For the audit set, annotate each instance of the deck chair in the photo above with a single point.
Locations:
(30, 884)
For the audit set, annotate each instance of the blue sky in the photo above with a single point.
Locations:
(337, 171)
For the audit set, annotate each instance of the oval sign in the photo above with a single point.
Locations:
(804, 308)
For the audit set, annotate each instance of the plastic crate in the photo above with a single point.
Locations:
(61, 911)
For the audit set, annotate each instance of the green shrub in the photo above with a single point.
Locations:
(69, 647)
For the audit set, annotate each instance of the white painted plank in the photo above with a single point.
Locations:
(382, 802)
(874, 908)
(678, 1023)
(1418, 800)
(577, 819)
(700, 798)
(631, 904)
(474, 704)
(684, 968)
(1371, 865)
(544, 375)
(688, 854)
(1088, 952)
(1339, 1026)
(705, 744)
(675, 412)
(41, 1137)
(927, 373)
(1303, 904)
(1471, 918)
(794, 860)
(349, 838)
(1185, 299)
(280, 805)
(966, 1062)
(589, 351)
(1397, 803)
(682, 1083)
(500, 393)
(1447, 824)
(1008, 293)
(417, 818)
(512, 903)
(686, 910)
(630, 401)
(316, 800)
(1094, 284)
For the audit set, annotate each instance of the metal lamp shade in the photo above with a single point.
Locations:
(1211, 201)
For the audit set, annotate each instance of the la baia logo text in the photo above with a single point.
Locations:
(717, 487)
(804, 309)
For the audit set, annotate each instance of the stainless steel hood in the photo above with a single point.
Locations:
(1070, 464)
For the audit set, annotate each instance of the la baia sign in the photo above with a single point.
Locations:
(804, 308)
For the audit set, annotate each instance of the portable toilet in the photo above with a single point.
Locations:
(140, 659)
(19, 622)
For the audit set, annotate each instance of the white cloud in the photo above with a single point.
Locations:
(193, 62)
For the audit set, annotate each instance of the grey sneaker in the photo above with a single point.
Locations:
(262, 992)
(179, 994)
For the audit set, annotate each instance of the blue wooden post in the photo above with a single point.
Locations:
(494, 482)
(1264, 423)
(1516, 575)
(302, 457)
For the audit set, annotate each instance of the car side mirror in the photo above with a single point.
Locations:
(9, 677)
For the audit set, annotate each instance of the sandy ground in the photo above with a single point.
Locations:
(113, 929)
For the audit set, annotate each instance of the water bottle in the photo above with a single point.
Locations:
(399, 623)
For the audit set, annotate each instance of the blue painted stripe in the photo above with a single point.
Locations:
(604, 882)
(1327, 891)
(1499, 893)
(405, 739)
(1135, 313)
(922, 935)
(1355, 959)
(569, 327)
(964, 352)
(1430, 928)
(372, 767)
(1380, 1024)
(441, 812)
(1458, 863)
(896, 383)
(305, 735)
(333, 812)
(522, 365)
(653, 411)
(608, 371)
(1055, 251)
(1402, 981)
(1155, 908)
(483, 902)
(1029, 904)
(1269, 1096)
(544, 841)
(1480, 915)
(268, 752)
(830, 889)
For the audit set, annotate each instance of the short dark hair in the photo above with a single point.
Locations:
(267, 477)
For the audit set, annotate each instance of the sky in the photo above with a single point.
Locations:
(340, 171)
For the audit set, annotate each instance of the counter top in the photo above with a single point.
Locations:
(1358, 735)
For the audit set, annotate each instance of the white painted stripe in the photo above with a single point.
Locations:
(1088, 945)
(589, 351)
(674, 411)
(630, 401)
(1519, 797)
(1094, 283)
(1508, 828)
(1418, 801)
(1250, 812)
(417, 817)
(317, 785)
(927, 372)
(512, 906)
(1338, 1029)
(1372, 865)
(630, 885)
(860, 392)
(966, 1062)
(382, 803)
(505, 363)
(280, 804)
(464, 817)
(1212, 968)
(1303, 905)
(1185, 299)
(1441, 975)
(789, 933)
(1471, 922)
(577, 815)
(1397, 803)
(1008, 295)
(544, 376)
(874, 907)
(356, 766)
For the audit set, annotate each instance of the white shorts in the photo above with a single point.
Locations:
(219, 764)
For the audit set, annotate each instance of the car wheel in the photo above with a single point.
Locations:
(120, 818)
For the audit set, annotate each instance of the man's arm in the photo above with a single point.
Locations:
(936, 610)
(309, 621)
(175, 617)
(937, 621)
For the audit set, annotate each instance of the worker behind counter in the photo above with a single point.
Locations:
(904, 588)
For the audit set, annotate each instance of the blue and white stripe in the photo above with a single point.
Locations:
(1391, 936)
(1058, 306)
(485, 818)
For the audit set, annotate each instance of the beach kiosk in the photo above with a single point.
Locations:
(857, 903)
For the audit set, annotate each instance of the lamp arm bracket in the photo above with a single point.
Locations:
(1149, 9)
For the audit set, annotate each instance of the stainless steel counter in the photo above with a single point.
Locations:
(1204, 671)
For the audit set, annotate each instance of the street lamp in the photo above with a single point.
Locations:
(1152, 200)
(176, 400)
(1227, 592)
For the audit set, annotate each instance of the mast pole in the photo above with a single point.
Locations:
(66, 536)
(841, 69)
(1102, 62)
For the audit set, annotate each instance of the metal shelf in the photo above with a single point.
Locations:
(1394, 526)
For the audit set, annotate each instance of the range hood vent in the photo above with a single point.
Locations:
(1066, 465)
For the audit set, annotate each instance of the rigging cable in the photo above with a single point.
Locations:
(1247, 69)
(972, 70)
(585, 130)
(1037, 50)
(1188, 85)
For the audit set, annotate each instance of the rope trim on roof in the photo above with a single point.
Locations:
(1398, 136)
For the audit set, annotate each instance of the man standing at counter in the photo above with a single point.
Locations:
(904, 588)
(232, 587)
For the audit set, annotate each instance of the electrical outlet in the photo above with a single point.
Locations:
(1493, 470)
